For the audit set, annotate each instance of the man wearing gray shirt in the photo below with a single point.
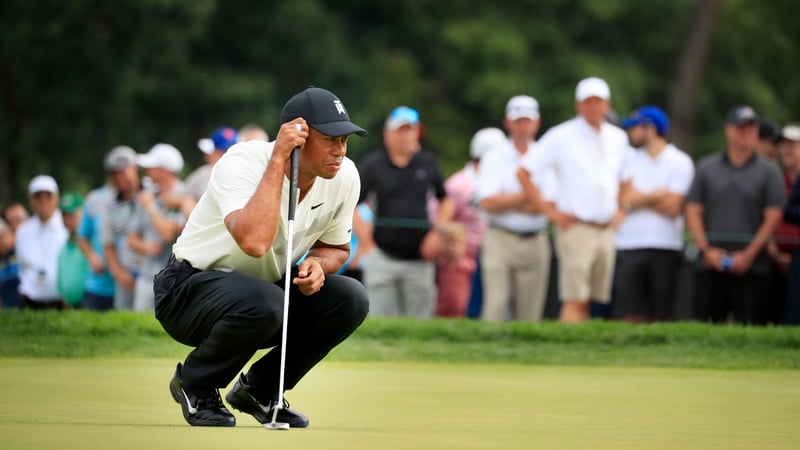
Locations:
(733, 207)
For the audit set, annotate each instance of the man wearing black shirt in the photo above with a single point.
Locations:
(397, 182)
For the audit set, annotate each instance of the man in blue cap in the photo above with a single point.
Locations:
(397, 182)
(213, 148)
(650, 238)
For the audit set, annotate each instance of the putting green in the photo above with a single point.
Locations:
(124, 404)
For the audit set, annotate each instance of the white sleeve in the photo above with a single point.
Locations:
(488, 183)
(682, 175)
(234, 181)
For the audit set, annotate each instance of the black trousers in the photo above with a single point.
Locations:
(719, 294)
(646, 282)
(228, 316)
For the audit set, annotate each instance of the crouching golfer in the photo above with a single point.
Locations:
(222, 291)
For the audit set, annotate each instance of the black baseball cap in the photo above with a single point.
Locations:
(742, 114)
(323, 112)
(768, 130)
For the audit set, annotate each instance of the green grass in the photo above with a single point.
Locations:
(695, 345)
(115, 403)
(80, 380)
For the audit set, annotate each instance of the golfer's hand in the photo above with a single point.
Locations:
(292, 134)
(310, 276)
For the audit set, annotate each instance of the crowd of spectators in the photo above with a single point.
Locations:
(612, 209)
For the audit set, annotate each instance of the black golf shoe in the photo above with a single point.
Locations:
(200, 409)
(240, 399)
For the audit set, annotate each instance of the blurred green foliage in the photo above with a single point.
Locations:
(82, 76)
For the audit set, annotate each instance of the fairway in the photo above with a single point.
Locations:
(106, 403)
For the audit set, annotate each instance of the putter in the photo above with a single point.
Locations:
(275, 425)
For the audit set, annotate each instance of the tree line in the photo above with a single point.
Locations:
(80, 77)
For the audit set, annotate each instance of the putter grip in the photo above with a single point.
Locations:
(293, 182)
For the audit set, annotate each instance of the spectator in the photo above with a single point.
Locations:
(732, 210)
(515, 259)
(6, 237)
(354, 266)
(769, 133)
(252, 132)
(790, 150)
(158, 219)
(397, 182)
(787, 235)
(100, 286)
(73, 268)
(115, 223)
(213, 148)
(650, 238)
(454, 277)
(586, 155)
(38, 241)
(14, 215)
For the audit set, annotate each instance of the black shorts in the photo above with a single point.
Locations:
(646, 283)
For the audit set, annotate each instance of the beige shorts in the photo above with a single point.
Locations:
(586, 255)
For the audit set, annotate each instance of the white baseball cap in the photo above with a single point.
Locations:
(522, 106)
(484, 140)
(162, 156)
(592, 87)
(791, 132)
(42, 183)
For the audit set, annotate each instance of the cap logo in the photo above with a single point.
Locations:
(339, 106)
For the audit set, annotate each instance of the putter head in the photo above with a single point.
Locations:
(276, 426)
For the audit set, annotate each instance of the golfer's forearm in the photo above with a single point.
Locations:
(330, 259)
(255, 226)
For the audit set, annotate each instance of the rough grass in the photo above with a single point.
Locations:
(87, 334)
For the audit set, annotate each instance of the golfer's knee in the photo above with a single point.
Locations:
(358, 305)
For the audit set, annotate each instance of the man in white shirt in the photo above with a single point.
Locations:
(586, 155)
(650, 238)
(38, 242)
(222, 293)
(515, 258)
(213, 148)
(160, 213)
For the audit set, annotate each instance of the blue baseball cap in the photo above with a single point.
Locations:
(221, 140)
(402, 115)
(648, 115)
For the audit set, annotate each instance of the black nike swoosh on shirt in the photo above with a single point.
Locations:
(317, 206)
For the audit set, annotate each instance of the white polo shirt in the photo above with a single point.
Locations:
(673, 170)
(37, 247)
(497, 174)
(325, 214)
(587, 167)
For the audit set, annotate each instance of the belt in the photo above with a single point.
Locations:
(594, 224)
(523, 234)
